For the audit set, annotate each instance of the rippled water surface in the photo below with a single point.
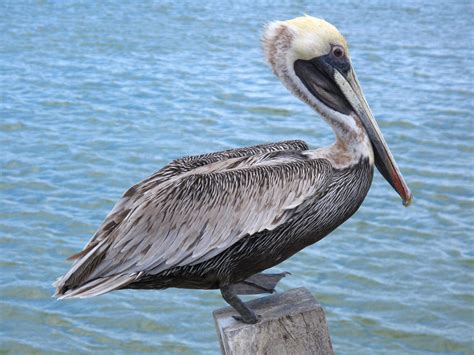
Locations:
(97, 95)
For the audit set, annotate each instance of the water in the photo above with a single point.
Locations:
(97, 95)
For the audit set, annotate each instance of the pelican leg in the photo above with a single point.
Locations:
(246, 314)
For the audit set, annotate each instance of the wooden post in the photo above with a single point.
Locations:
(293, 322)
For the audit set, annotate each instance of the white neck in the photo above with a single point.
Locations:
(352, 142)
(341, 156)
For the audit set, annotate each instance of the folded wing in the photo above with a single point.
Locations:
(174, 169)
(193, 217)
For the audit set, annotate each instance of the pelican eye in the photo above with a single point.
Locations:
(338, 52)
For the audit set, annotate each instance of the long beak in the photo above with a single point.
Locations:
(349, 85)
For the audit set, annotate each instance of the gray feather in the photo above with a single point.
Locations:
(191, 210)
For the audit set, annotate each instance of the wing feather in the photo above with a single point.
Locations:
(194, 208)
(201, 215)
(139, 192)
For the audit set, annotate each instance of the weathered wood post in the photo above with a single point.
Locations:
(293, 322)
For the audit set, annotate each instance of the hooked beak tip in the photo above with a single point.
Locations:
(407, 202)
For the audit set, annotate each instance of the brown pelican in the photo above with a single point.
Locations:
(215, 221)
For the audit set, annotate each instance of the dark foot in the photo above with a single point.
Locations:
(251, 320)
(259, 287)
(258, 283)
(246, 315)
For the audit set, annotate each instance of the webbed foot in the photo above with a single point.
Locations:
(246, 315)
(248, 320)
(259, 283)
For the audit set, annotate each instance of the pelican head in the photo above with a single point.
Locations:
(311, 58)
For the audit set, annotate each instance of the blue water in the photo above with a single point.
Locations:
(97, 95)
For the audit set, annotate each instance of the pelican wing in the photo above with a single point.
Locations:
(195, 216)
(177, 167)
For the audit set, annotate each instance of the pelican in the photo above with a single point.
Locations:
(216, 221)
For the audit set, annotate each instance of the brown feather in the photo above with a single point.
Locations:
(81, 253)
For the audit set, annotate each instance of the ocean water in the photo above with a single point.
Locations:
(96, 96)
